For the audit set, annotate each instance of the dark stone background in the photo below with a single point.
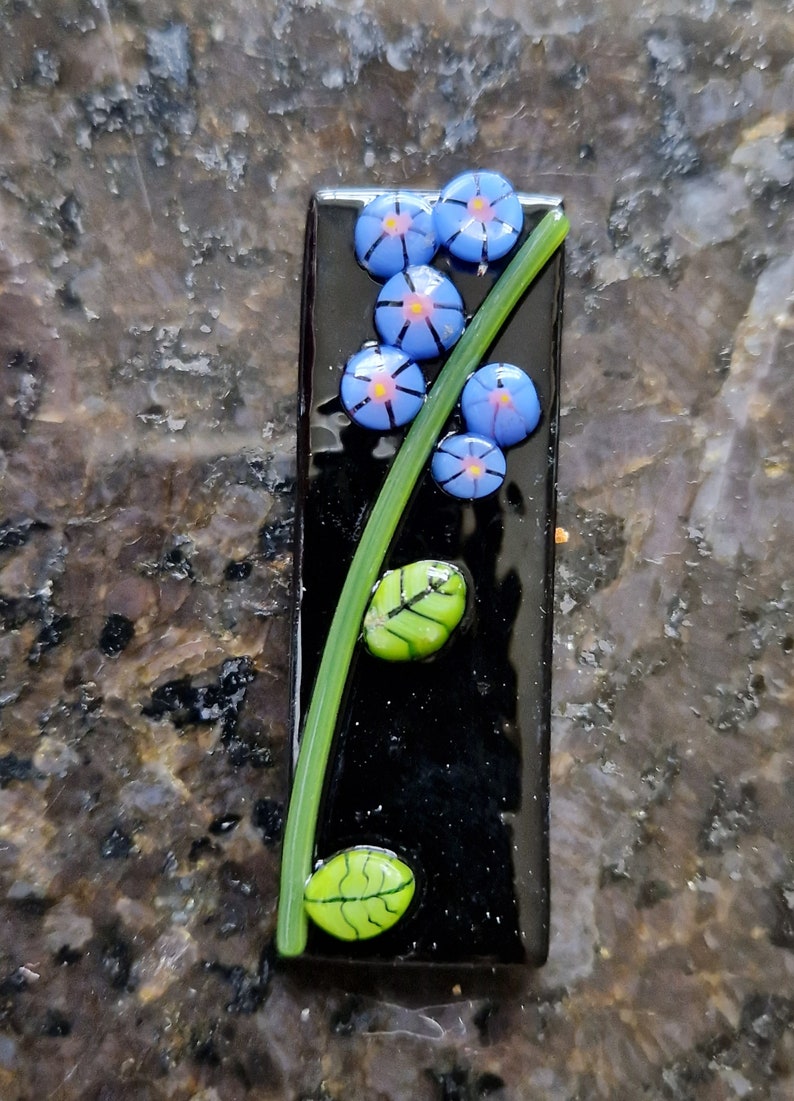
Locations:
(156, 159)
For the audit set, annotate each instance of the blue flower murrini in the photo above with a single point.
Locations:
(478, 217)
(500, 401)
(468, 466)
(420, 311)
(394, 231)
(382, 388)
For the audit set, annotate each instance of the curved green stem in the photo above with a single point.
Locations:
(398, 487)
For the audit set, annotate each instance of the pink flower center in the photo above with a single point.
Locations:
(397, 225)
(480, 208)
(417, 307)
(382, 387)
(500, 397)
(473, 466)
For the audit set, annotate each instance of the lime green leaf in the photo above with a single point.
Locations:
(414, 610)
(359, 893)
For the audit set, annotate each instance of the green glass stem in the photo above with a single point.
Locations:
(408, 466)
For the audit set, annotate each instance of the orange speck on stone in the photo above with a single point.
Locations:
(560, 535)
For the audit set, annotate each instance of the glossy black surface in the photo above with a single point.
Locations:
(446, 761)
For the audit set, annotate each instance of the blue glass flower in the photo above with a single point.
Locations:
(468, 466)
(394, 231)
(478, 217)
(420, 312)
(382, 388)
(500, 401)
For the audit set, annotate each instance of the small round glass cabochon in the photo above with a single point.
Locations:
(393, 232)
(478, 217)
(382, 388)
(420, 311)
(500, 401)
(468, 466)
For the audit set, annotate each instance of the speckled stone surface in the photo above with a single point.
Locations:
(156, 160)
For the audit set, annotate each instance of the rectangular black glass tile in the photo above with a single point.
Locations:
(443, 762)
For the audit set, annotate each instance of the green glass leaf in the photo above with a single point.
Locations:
(359, 893)
(414, 610)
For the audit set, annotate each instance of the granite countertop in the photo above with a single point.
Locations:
(156, 160)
